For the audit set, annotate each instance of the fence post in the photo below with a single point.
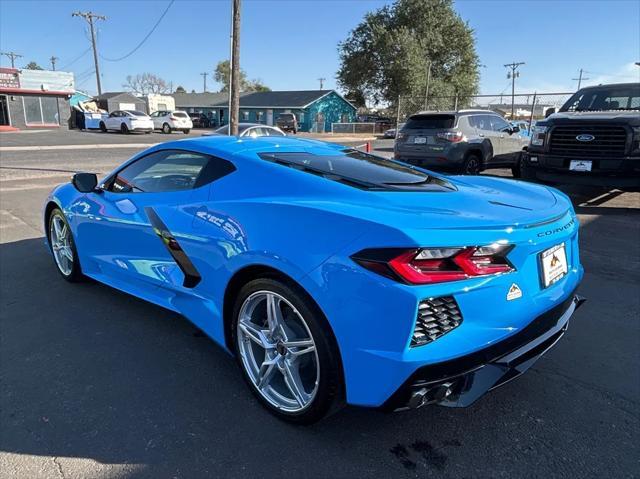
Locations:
(398, 117)
(533, 108)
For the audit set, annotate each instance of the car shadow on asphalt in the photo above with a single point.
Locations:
(90, 372)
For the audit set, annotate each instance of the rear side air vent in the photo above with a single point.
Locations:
(436, 317)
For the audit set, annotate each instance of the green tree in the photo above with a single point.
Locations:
(222, 75)
(33, 66)
(389, 53)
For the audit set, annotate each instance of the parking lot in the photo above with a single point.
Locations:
(96, 383)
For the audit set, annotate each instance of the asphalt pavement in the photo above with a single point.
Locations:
(95, 383)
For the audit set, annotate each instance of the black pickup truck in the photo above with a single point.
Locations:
(594, 139)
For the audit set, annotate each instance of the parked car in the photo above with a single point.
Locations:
(391, 132)
(248, 129)
(287, 122)
(127, 121)
(169, 121)
(594, 139)
(522, 126)
(465, 141)
(334, 276)
(200, 120)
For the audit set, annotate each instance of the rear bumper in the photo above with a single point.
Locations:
(463, 380)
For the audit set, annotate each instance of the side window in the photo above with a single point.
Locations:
(498, 124)
(272, 132)
(482, 122)
(169, 170)
(114, 114)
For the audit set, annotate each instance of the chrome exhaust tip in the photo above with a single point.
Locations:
(424, 396)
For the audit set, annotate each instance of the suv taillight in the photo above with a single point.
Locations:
(452, 136)
(436, 265)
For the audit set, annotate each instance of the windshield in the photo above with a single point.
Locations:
(430, 122)
(606, 98)
(286, 116)
(360, 170)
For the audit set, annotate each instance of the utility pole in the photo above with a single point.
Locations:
(321, 80)
(234, 111)
(204, 75)
(580, 78)
(426, 90)
(53, 61)
(513, 74)
(12, 56)
(90, 17)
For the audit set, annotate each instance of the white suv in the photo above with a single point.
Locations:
(126, 121)
(168, 121)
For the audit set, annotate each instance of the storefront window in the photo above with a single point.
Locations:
(41, 110)
(245, 116)
(49, 110)
(259, 116)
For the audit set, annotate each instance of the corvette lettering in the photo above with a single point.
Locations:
(556, 230)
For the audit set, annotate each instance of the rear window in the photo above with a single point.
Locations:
(286, 116)
(180, 114)
(360, 170)
(136, 113)
(430, 122)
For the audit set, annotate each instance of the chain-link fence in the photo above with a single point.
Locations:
(354, 128)
(522, 106)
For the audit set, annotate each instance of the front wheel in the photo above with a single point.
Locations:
(166, 128)
(63, 247)
(286, 353)
(103, 127)
(124, 129)
(516, 169)
(186, 132)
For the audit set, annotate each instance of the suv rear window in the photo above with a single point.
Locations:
(180, 114)
(430, 122)
(360, 170)
(286, 116)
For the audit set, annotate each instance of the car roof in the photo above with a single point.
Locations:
(609, 85)
(469, 111)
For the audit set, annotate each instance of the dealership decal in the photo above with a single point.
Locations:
(514, 292)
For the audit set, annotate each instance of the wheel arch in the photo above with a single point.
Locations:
(260, 271)
(480, 151)
(48, 209)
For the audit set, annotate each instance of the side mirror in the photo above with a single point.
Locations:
(549, 112)
(85, 182)
(515, 129)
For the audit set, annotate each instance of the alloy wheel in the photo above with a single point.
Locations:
(60, 237)
(277, 351)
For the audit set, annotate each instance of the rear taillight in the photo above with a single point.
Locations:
(436, 265)
(452, 136)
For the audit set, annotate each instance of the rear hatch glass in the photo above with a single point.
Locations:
(180, 114)
(361, 170)
(430, 122)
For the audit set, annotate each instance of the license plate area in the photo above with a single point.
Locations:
(580, 165)
(553, 264)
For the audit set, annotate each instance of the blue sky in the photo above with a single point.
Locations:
(290, 44)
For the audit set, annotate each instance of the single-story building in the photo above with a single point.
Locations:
(315, 110)
(120, 100)
(34, 98)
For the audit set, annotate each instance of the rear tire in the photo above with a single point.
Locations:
(299, 384)
(63, 247)
(186, 132)
(103, 127)
(124, 129)
(472, 165)
(166, 128)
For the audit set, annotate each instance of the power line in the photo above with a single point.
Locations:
(90, 17)
(143, 40)
(76, 59)
(13, 56)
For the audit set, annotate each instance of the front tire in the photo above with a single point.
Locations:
(166, 128)
(287, 355)
(516, 169)
(124, 129)
(103, 127)
(187, 131)
(63, 247)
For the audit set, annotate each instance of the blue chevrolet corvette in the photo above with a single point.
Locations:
(333, 276)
